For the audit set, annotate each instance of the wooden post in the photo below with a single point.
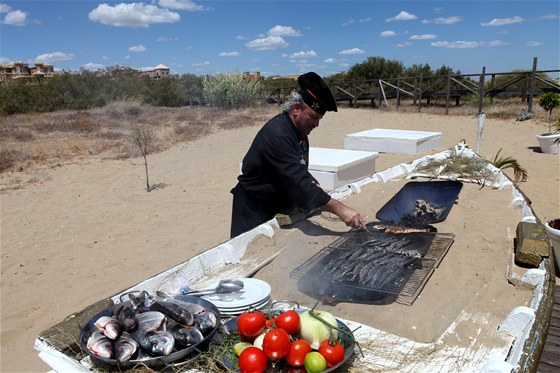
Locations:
(524, 87)
(420, 94)
(448, 93)
(415, 90)
(492, 85)
(481, 90)
(532, 87)
(398, 92)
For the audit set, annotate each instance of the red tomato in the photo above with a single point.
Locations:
(251, 324)
(270, 322)
(252, 360)
(276, 343)
(334, 353)
(298, 350)
(289, 321)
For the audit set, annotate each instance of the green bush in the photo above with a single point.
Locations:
(231, 91)
(549, 101)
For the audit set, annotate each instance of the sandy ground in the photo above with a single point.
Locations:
(87, 231)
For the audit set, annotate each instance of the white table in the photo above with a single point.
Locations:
(334, 168)
(394, 141)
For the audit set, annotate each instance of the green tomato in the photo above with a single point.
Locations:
(314, 362)
(313, 330)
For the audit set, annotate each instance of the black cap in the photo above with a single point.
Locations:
(316, 93)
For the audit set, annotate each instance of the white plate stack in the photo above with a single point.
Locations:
(254, 295)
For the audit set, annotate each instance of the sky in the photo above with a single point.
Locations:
(281, 37)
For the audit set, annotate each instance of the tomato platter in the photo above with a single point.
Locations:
(282, 346)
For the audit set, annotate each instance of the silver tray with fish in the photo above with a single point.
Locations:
(164, 352)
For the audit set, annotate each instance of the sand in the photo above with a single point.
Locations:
(86, 231)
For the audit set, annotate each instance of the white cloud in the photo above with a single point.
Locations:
(189, 6)
(496, 43)
(388, 34)
(93, 66)
(240, 37)
(283, 31)
(352, 51)
(5, 8)
(302, 54)
(457, 44)
(405, 44)
(533, 44)
(54, 57)
(4, 60)
(127, 57)
(268, 43)
(402, 16)
(137, 48)
(423, 37)
(443, 20)
(502, 21)
(550, 16)
(15, 18)
(228, 54)
(132, 15)
(164, 39)
(352, 21)
(200, 64)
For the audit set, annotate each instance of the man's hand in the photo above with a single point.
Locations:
(348, 215)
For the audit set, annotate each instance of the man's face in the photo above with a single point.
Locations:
(306, 119)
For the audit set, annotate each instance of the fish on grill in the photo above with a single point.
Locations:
(372, 265)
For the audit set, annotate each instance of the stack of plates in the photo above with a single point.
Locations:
(255, 295)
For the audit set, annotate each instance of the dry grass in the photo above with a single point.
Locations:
(49, 140)
(63, 137)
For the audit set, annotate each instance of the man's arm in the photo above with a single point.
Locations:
(348, 215)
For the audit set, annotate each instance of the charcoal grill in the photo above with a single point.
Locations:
(392, 260)
(373, 267)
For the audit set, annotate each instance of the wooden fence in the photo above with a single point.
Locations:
(377, 92)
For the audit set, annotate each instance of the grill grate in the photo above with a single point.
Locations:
(373, 267)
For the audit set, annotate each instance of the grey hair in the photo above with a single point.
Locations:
(295, 98)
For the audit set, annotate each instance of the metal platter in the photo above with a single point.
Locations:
(231, 327)
(178, 357)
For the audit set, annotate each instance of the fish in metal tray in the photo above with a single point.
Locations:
(156, 343)
(175, 311)
(184, 335)
(109, 326)
(99, 345)
(125, 347)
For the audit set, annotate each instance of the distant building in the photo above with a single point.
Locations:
(158, 72)
(21, 70)
(255, 76)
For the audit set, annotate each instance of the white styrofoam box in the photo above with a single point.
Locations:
(334, 168)
(394, 141)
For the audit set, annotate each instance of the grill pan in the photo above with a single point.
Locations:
(372, 267)
(420, 203)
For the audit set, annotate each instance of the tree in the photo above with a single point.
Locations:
(143, 136)
(550, 101)
(375, 68)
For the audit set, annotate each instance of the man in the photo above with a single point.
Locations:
(275, 178)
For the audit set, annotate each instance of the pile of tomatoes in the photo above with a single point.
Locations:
(276, 340)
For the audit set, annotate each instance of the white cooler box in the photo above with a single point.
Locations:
(394, 141)
(334, 168)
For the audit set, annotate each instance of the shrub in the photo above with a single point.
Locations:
(231, 91)
(549, 101)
